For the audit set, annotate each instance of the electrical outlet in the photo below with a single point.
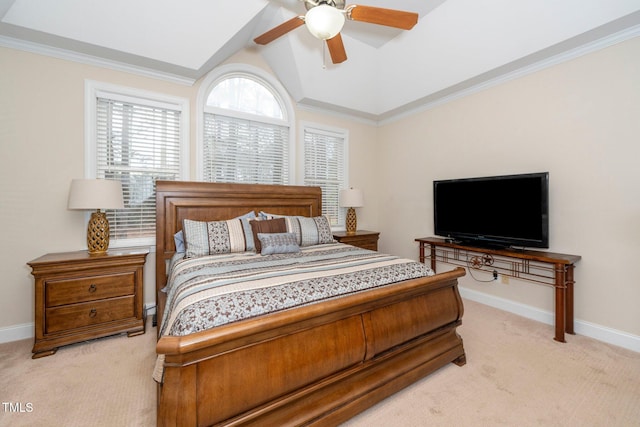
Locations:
(504, 279)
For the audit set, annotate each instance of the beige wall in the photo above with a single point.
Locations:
(42, 150)
(577, 120)
(580, 121)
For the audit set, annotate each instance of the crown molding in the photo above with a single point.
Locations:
(477, 84)
(85, 59)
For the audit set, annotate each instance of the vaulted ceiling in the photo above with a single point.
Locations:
(457, 45)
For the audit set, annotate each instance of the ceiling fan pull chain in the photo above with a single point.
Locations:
(324, 55)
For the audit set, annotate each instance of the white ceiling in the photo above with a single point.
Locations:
(456, 46)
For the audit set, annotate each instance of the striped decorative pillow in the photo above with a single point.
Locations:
(213, 237)
(309, 231)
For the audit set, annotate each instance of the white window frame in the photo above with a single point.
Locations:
(311, 127)
(94, 89)
(259, 75)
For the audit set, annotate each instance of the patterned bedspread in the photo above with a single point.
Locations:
(214, 290)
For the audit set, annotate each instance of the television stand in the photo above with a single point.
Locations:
(547, 268)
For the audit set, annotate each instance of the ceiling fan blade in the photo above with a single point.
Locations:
(280, 30)
(382, 16)
(336, 49)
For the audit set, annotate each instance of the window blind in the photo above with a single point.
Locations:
(324, 166)
(242, 150)
(136, 144)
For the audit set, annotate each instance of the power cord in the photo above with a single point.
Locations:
(477, 262)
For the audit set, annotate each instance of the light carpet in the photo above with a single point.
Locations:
(516, 375)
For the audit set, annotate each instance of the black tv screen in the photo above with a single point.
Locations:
(502, 211)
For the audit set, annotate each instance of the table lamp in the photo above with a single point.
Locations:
(351, 198)
(90, 194)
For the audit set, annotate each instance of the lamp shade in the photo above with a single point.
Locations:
(95, 194)
(324, 21)
(351, 198)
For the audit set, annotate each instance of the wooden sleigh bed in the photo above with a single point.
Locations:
(318, 364)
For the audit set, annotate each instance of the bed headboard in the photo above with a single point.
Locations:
(203, 201)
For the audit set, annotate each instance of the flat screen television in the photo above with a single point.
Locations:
(497, 211)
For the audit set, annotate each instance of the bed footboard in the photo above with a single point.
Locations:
(314, 365)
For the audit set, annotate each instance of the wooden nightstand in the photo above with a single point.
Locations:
(80, 296)
(362, 238)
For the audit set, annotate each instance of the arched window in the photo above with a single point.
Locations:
(246, 135)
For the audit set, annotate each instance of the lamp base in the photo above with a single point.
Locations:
(352, 221)
(98, 233)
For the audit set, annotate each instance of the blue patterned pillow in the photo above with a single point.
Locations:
(278, 243)
(309, 231)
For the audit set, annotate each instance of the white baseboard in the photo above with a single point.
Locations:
(150, 309)
(16, 332)
(581, 327)
(26, 330)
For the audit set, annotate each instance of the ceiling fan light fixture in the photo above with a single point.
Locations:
(324, 21)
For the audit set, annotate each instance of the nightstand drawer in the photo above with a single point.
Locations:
(89, 313)
(364, 244)
(70, 291)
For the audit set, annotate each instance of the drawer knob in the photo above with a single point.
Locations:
(93, 288)
(93, 312)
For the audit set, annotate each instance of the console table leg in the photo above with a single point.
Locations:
(560, 285)
(569, 302)
(433, 257)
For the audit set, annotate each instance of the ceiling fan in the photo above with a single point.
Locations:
(325, 19)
